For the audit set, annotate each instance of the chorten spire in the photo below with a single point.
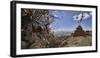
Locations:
(81, 18)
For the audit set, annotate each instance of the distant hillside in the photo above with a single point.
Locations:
(62, 33)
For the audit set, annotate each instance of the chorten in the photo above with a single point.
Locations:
(79, 31)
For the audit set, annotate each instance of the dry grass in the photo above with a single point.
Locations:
(55, 42)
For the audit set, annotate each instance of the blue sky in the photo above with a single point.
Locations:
(65, 20)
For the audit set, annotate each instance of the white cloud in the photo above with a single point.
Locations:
(76, 17)
(55, 15)
(90, 13)
(79, 16)
(86, 16)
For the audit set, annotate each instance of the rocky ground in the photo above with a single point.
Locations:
(62, 42)
(79, 41)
